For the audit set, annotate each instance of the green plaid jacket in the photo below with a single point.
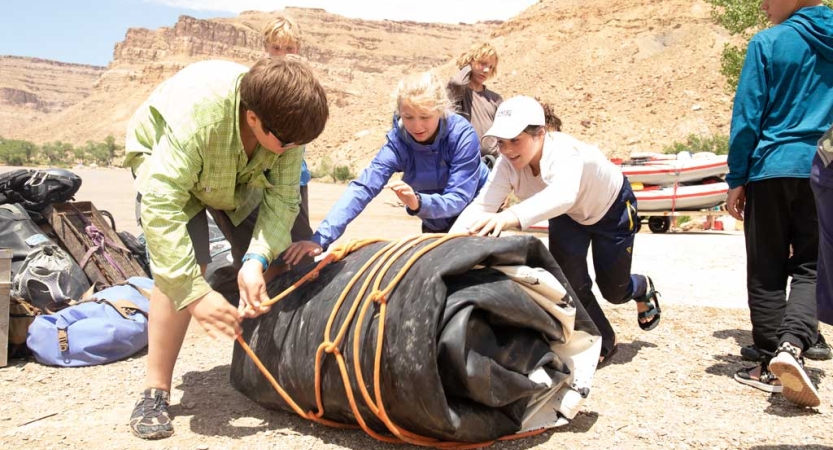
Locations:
(184, 147)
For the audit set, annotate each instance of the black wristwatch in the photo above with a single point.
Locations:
(419, 205)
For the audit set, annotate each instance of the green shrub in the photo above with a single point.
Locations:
(342, 173)
(322, 169)
(731, 63)
(717, 144)
(739, 17)
(57, 154)
(15, 152)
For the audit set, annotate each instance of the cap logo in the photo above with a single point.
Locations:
(504, 113)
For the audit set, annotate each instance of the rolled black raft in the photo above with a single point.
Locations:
(476, 345)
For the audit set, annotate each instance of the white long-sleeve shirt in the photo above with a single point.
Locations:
(575, 179)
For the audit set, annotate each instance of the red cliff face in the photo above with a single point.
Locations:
(634, 75)
(32, 89)
(357, 61)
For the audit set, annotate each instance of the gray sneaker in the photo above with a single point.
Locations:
(150, 418)
(797, 386)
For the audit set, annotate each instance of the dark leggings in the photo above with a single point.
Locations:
(612, 238)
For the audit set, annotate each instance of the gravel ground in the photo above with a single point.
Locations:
(670, 388)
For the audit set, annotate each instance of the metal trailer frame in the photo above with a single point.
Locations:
(660, 221)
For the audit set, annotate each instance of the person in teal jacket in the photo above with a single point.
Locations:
(783, 105)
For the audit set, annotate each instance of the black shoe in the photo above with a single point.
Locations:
(819, 351)
(751, 353)
(150, 418)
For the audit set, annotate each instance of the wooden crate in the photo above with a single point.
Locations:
(5, 288)
(69, 222)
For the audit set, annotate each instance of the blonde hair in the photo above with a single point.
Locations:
(479, 52)
(281, 29)
(424, 91)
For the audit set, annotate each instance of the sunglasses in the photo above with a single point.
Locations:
(277, 136)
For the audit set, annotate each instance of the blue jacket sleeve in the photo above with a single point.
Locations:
(359, 193)
(747, 113)
(463, 179)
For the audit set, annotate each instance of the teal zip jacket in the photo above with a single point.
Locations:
(784, 101)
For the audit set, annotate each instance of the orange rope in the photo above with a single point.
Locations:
(386, 258)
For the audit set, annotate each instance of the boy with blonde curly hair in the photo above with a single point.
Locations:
(282, 36)
(474, 101)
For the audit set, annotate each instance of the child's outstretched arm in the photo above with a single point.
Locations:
(359, 193)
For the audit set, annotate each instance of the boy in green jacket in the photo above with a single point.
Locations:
(216, 136)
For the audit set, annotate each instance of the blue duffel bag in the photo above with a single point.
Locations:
(108, 326)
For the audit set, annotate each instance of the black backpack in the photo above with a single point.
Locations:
(35, 189)
(41, 271)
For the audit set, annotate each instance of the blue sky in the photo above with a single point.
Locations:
(85, 31)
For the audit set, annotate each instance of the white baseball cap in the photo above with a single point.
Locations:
(514, 115)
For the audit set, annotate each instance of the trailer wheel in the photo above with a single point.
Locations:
(659, 224)
(638, 223)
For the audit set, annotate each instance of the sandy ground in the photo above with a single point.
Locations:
(668, 388)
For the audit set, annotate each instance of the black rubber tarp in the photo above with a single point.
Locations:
(461, 340)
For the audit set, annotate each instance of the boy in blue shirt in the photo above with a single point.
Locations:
(783, 105)
(282, 37)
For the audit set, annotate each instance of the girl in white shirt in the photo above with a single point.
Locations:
(586, 200)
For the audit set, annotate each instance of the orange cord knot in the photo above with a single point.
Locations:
(378, 297)
(330, 347)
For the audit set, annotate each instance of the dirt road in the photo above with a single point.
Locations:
(668, 388)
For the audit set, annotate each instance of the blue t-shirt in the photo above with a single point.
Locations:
(305, 175)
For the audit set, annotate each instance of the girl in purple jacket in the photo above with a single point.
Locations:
(437, 152)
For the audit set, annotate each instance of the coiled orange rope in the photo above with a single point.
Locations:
(386, 257)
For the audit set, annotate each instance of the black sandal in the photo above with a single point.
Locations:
(766, 381)
(651, 298)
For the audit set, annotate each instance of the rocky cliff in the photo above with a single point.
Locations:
(634, 75)
(358, 62)
(31, 89)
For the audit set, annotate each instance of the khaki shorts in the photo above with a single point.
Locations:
(238, 236)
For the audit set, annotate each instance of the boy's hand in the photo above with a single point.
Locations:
(252, 286)
(405, 193)
(492, 224)
(215, 315)
(735, 202)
